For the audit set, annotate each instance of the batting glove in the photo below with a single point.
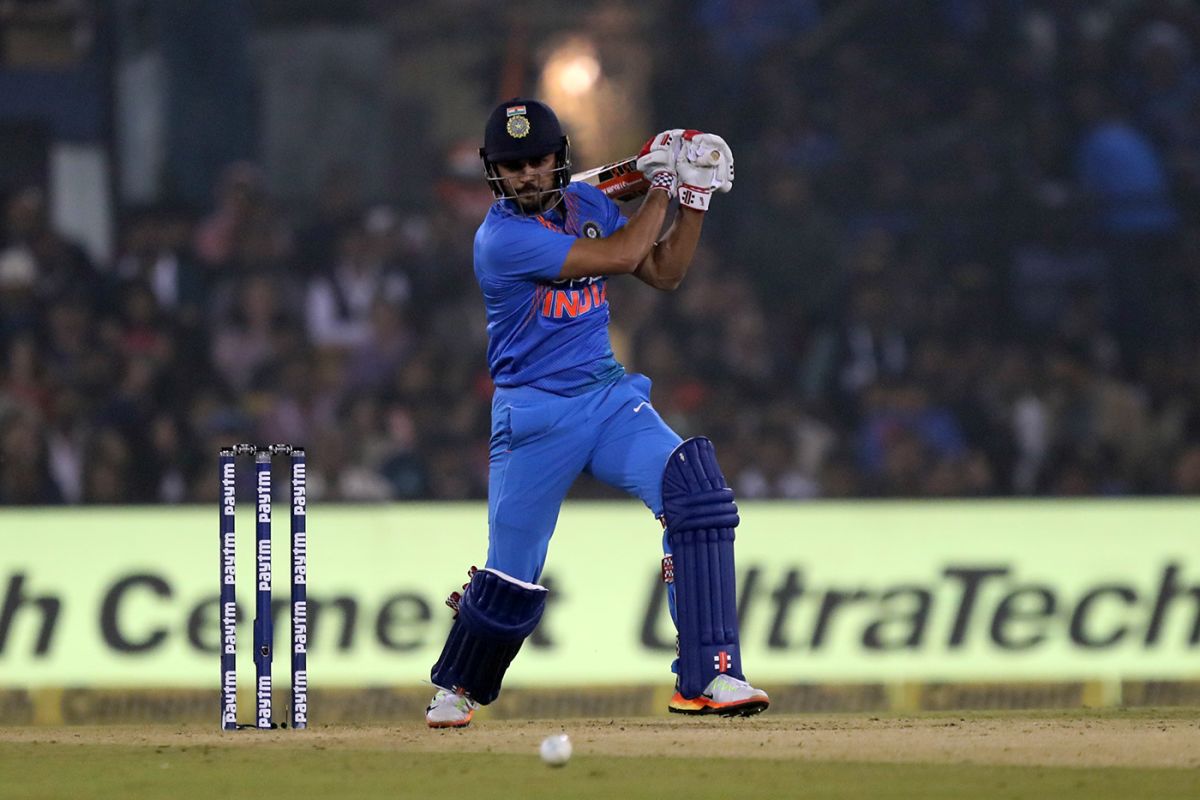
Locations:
(658, 158)
(697, 167)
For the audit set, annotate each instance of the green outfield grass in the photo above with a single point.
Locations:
(55, 772)
(928, 757)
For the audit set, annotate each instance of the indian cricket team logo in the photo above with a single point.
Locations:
(518, 123)
(591, 230)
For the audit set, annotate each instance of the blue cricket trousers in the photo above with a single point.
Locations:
(540, 444)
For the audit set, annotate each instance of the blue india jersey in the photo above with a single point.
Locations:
(544, 332)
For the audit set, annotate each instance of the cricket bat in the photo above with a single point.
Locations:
(622, 180)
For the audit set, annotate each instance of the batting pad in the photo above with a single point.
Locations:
(496, 615)
(700, 514)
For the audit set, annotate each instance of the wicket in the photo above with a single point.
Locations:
(263, 631)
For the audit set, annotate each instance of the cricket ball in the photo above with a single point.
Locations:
(556, 749)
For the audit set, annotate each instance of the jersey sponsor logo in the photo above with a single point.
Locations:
(572, 303)
(572, 283)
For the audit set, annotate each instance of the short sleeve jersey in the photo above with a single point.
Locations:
(546, 332)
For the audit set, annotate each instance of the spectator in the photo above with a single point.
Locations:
(339, 304)
(239, 195)
(962, 270)
(24, 476)
(156, 251)
(246, 342)
(1123, 177)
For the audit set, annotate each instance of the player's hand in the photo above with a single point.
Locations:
(698, 167)
(658, 158)
(724, 177)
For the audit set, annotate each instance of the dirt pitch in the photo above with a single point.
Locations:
(1095, 754)
(1167, 738)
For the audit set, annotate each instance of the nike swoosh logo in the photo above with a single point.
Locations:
(707, 695)
(638, 407)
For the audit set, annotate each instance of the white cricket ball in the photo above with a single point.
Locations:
(556, 749)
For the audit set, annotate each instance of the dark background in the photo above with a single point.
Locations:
(961, 258)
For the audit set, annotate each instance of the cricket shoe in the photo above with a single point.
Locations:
(725, 696)
(450, 709)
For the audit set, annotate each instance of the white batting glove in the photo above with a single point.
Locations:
(657, 160)
(724, 177)
(698, 168)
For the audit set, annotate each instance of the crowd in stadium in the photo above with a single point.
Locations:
(967, 270)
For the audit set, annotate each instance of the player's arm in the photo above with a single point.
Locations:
(667, 262)
(626, 248)
(704, 163)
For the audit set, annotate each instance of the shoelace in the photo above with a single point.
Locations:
(461, 701)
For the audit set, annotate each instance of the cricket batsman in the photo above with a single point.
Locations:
(563, 406)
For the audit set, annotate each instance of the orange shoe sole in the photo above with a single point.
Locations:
(697, 706)
(461, 724)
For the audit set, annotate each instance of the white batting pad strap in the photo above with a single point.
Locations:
(516, 581)
(694, 197)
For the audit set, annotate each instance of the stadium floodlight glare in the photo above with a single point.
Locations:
(574, 68)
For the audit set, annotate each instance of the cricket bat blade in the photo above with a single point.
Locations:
(620, 180)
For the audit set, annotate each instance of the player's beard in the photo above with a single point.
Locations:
(533, 200)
